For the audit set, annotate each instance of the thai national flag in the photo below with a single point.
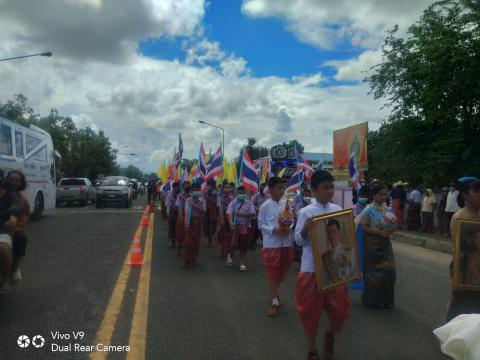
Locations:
(215, 169)
(303, 165)
(354, 173)
(172, 168)
(248, 175)
(202, 166)
(295, 181)
(166, 187)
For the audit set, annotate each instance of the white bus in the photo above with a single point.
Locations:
(30, 150)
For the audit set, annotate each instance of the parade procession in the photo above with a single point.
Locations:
(240, 180)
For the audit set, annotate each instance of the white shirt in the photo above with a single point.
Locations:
(452, 205)
(313, 209)
(268, 220)
(416, 196)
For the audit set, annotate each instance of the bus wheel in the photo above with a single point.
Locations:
(38, 207)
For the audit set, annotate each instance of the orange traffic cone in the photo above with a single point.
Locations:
(136, 257)
(146, 218)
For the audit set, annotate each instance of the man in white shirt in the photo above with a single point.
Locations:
(309, 303)
(277, 253)
(452, 205)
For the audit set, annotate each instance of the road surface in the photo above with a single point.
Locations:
(76, 284)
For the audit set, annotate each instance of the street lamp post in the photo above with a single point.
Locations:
(47, 54)
(223, 134)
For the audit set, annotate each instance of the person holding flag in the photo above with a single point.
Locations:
(195, 209)
(240, 212)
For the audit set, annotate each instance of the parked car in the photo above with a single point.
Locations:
(114, 190)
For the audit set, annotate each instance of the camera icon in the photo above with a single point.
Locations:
(23, 341)
(38, 341)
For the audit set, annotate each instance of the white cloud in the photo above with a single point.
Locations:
(104, 30)
(324, 23)
(356, 68)
(144, 103)
(84, 120)
(311, 80)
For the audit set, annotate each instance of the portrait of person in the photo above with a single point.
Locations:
(470, 254)
(339, 260)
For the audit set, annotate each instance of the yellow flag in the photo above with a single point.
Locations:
(280, 174)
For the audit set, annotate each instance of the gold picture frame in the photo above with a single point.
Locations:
(335, 250)
(466, 258)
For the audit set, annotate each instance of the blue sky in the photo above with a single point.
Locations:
(265, 43)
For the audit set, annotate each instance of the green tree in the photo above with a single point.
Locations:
(430, 80)
(255, 151)
(132, 172)
(84, 152)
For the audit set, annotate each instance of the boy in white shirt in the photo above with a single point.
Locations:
(277, 253)
(309, 303)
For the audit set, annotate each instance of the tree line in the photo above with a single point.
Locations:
(83, 151)
(430, 80)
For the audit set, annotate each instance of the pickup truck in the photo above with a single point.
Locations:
(71, 190)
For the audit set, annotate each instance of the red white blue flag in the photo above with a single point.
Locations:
(295, 181)
(248, 174)
(215, 169)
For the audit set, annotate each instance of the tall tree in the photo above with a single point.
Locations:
(430, 80)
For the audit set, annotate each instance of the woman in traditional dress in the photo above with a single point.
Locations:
(379, 263)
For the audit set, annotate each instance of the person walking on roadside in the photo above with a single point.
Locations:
(452, 205)
(309, 303)
(240, 213)
(19, 238)
(277, 253)
(195, 209)
(379, 263)
(428, 208)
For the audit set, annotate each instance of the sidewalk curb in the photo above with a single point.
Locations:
(426, 242)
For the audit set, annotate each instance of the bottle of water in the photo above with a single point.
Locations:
(389, 220)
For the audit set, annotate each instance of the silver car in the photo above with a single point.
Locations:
(71, 190)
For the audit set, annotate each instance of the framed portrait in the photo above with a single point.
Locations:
(466, 261)
(335, 250)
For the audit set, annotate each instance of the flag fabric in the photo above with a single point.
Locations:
(172, 167)
(215, 167)
(202, 166)
(185, 173)
(302, 164)
(163, 172)
(180, 146)
(248, 175)
(166, 186)
(282, 172)
(295, 181)
(193, 171)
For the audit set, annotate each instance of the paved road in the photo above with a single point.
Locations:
(75, 280)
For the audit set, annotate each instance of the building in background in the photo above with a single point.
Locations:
(315, 159)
